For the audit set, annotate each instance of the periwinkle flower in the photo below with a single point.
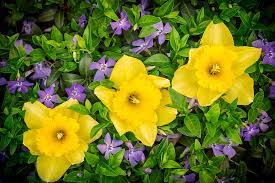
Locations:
(142, 44)
(161, 31)
(143, 5)
(19, 85)
(122, 24)
(263, 121)
(272, 90)
(41, 70)
(248, 132)
(148, 170)
(48, 97)
(28, 48)
(189, 178)
(219, 150)
(27, 27)
(3, 81)
(76, 91)
(3, 63)
(268, 49)
(82, 21)
(110, 146)
(134, 155)
(103, 68)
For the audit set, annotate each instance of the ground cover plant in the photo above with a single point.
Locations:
(137, 91)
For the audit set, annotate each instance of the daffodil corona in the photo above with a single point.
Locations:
(217, 68)
(139, 103)
(59, 137)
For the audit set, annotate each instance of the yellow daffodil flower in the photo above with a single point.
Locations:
(59, 137)
(216, 68)
(139, 103)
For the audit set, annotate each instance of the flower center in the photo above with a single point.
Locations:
(215, 69)
(122, 22)
(133, 99)
(48, 97)
(74, 92)
(19, 83)
(103, 67)
(60, 135)
(270, 54)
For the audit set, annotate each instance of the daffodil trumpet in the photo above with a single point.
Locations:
(217, 69)
(139, 102)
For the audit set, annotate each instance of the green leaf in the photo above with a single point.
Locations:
(171, 164)
(193, 124)
(105, 169)
(213, 114)
(84, 66)
(157, 60)
(205, 177)
(68, 67)
(228, 13)
(234, 135)
(37, 55)
(111, 14)
(98, 127)
(165, 9)
(91, 159)
(258, 100)
(211, 128)
(79, 108)
(245, 18)
(175, 40)
(185, 131)
(146, 31)
(184, 40)
(69, 78)
(252, 115)
(55, 74)
(56, 34)
(74, 177)
(200, 15)
(148, 20)
(59, 19)
(116, 159)
(178, 100)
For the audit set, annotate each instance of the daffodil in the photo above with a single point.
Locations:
(58, 136)
(139, 102)
(217, 69)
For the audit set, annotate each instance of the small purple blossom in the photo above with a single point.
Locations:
(102, 68)
(143, 5)
(249, 132)
(3, 63)
(268, 49)
(41, 70)
(110, 146)
(48, 97)
(220, 150)
(142, 45)
(122, 24)
(134, 155)
(148, 170)
(28, 48)
(186, 162)
(82, 21)
(161, 31)
(263, 121)
(19, 85)
(27, 27)
(76, 91)
(3, 81)
(189, 178)
(75, 40)
(272, 90)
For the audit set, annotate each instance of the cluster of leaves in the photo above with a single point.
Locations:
(199, 126)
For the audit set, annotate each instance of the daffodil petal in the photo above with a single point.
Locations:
(146, 133)
(243, 89)
(86, 123)
(121, 126)
(160, 82)
(194, 55)
(78, 155)
(29, 140)
(185, 82)
(51, 169)
(106, 95)
(63, 109)
(165, 114)
(217, 34)
(247, 56)
(35, 113)
(206, 96)
(127, 68)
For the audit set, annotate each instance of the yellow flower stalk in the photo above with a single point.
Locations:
(139, 103)
(59, 137)
(217, 69)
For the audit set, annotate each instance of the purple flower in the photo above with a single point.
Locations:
(142, 45)
(134, 155)
(102, 68)
(82, 21)
(220, 150)
(27, 27)
(76, 92)
(41, 70)
(161, 31)
(110, 146)
(263, 121)
(190, 177)
(186, 162)
(3, 63)
(249, 132)
(19, 85)
(48, 97)
(148, 170)
(3, 81)
(143, 5)
(122, 24)
(268, 49)
(172, 137)
(75, 40)
(28, 48)
(272, 90)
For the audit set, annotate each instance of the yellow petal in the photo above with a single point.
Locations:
(106, 95)
(29, 140)
(185, 82)
(247, 56)
(146, 133)
(165, 114)
(63, 109)
(120, 125)
(206, 97)
(217, 34)
(86, 123)
(127, 68)
(243, 89)
(78, 155)
(51, 169)
(35, 113)
(194, 56)
(160, 82)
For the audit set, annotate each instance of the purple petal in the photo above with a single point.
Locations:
(129, 145)
(108, 72)
(23, 89)
(217, 150)
(41, 94)
(167, 28)
(102, 148)
(158, 26)
(138, 42)
(99, 76)
(107, 153)
(28, 48)
(263, 127)
(116, 143)
(55, 99)
(110, 62)
(258, 43)
(126, 155)
(50, 90)
(132, 161)
(127, 25)
(161, 39)
(118, 31)
(272, 91)
(18, 43)
(26, 83)
(114, 25)
(102, 60)
(139, 156)
(81, 97)
(49, 104)
(115, 150)
(108, 139)
(229, 151)
(137, 50)
(94, 65)
(190, 178)
(3, 81)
